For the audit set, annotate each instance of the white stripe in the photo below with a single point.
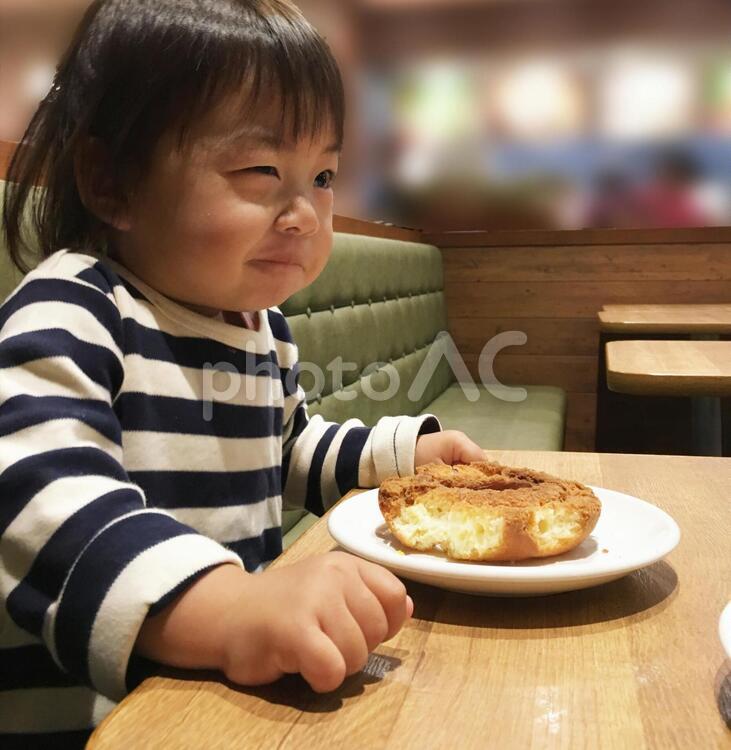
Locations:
(382, 448)
(54, 435)
(405, 439)
(41, 517)
(144, 581)
(57, 709)
(231, 524)
(61, 264)
(303, 449)
(48, 632)
(42, 316)
(151, 451)
(157, 378)
(290, 407)
(52, 376)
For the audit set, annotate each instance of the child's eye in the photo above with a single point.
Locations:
(264, 170)
(325, 179)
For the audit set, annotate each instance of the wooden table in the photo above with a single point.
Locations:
(674, 319)
(670, 368)
(636, 663)
(700, 370)
(672, 423)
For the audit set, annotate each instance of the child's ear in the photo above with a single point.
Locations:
(99, 191)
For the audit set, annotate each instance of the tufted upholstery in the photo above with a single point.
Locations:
(10, 276)
(378, 305)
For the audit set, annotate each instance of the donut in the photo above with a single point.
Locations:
(486, 511)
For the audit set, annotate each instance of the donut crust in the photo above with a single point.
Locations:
(484, 511)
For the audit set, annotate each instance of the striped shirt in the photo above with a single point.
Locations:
(142, 443)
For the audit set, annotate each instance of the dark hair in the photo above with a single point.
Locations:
(137, 70)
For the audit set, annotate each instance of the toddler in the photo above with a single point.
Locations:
(188, 150)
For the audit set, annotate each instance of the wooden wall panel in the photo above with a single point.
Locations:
(545, 335)
(553, 293)
(571, 299)
(598, 263)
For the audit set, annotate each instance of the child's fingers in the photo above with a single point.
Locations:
(468, 450)
(389, 591)
(368, 613)
(340, 627)
(320, 661)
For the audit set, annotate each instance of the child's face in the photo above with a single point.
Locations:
(238, 225)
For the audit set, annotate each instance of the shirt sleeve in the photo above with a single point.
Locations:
(82, 557)
(322, 460)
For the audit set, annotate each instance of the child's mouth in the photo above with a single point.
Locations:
(270, 264)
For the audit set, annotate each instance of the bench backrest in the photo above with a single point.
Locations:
(10, 276)
(377, 301)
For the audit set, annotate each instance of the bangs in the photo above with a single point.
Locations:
(195, 60)
(287, 67)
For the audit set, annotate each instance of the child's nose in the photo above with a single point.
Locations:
(298, 217)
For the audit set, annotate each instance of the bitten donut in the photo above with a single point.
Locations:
(486, 511)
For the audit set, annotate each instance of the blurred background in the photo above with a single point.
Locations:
(494, 114)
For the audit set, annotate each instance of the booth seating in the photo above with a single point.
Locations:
(377, 315)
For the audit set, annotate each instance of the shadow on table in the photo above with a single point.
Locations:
(723, 692)
(637, 596)
(292, 690)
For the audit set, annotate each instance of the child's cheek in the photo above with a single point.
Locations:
(224, 227)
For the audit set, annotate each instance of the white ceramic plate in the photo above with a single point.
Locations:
(724, 629)
(629, 535)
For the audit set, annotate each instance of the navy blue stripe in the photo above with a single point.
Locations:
(194, 351)
(24, 411)
(29, 600)
(95, 361)
(99, 276)
(21, 481)
(290, 380)
(348, 462)
(30, 667)
(279, 326)
(300, 422)
(313, 500)
(259, 549)
(139, 411)
(133, 290)
(75, 740)
(70, 292)
(207, 489)
(94, 573)
(429, 425)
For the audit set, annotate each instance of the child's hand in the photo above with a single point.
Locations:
(449, 447)
(320, 617)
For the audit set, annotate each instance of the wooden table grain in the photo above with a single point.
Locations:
(636, 663)
(670, 368)
(674, 319)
